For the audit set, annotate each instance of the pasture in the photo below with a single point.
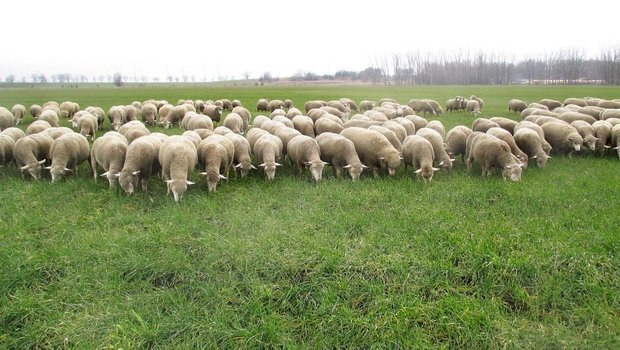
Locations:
(463, 262)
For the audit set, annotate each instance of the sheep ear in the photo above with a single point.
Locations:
(278, 164)
(548, 157)
(441, 163)
(42, 161)
(534, 157)
(102, 175)
(168, 181)
(261, 165)
(364, 167)
(507, 167)
(382, 158)
(347, 166)
(238, 165)
(617, 147)
(418, 171)
(325, 163)
(435, 169)
(401, 158)
(252, 166)
(189, 182)
(308, 163)
(223, 177)
(117, 175)
(135, 172)
(606, 146)
(48, 168)
(67, 169)
(203, 173)
(24, 167)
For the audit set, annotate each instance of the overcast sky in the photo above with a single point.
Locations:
(228, 38)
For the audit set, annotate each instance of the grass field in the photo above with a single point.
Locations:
(464, 262)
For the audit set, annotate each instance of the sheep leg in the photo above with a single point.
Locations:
(144, 183)
(338, 171)
(93, 166)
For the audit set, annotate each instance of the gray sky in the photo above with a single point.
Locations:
(204, 38)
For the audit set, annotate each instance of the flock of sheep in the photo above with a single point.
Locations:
(381, 136)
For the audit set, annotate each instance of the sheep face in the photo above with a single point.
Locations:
(316, 169)
(591, 142)
(112, 178)
(576, 140)
(541, 161)
(128, 181)
(245, 168)
(391, 162)
(33, 169)
(355, 170)
(270, 169)
(178, 188)
(213, 178)
(512, 172)
(426, 173)
(57, 172)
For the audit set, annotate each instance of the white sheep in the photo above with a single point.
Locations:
(66, 153)
(373, 149)
(304, 151)
(340, 152)
(141, 161)
(178, 157)
(418, 152)
(491, 152)
(108, 152)
(562, 137)
(7, 146)
(268, 151)
(234, 122)
(215, 155)
(441, 156)
(19, 111)
(529, 141)
(304, 125)
(242, 159)
(7, 119)
(31, 152)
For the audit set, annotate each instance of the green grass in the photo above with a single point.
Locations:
(464, 262)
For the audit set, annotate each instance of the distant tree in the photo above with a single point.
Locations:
(101, 78)
(185, 78)
(34, 78)
(23, 79)
(118, 79)
(266, 78)
(42, 79)
(170, 78)
(156, 79)
(83, 78)
(10, 78)
(246, 75)
(193, 77)
(144, 78)
(176, 79)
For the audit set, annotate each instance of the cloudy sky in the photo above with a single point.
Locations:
(227, 38)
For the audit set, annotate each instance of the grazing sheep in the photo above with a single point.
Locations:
(360, 123)
(235, 104)
(222, 130)
(609, 113)
(178, 157)
(390, 135)
(67, 153)
(539, 131)
(516, 105)
(131, 112)
(407, 124)
(56, 132)
(366, 105)
(483, 124)
(406, 110)
(14, 133)
(214, 112)
(116, 115)
(505, 123)
(313, 105)
(50, 116)
(592, 111)
(276, 104)
(441, 156)
(97, 112)
(340, 152)
(456, 141)
(53, 108)
(609, 104)
(336, 112)
(373, 149)
(66, 109)
(327, 125)
(227, 104)
(284, 120)
(31, 152)
(7, 119)
(540, 120)
(88, 126)
(418, 152)
(304, 125)
(420, 106)
(537, 111)
(19, 111)
(615, 138)
(271, 126)
(163, 112)
(259, 120)
(551, 104)
(437, 126)
(570, 117)
(339, 106)
(563, 137)
(241, 159)
(389, 112)
(386, 99)
(109, 153)
(473, 106)
(285, 135)
(453, 104)
(586, 131)
(491, 152)
(509, 139)
(141, 161)
(349, 103)
(268, 151)
(575, 101)
(197, 121)
(37, 126)
(7, 147)
(245, 115)
(477, 99)
(215, 156)
(253, 135)
(602, 131)
(315, 114)
(437, 110)
(418, 121)
(174, 116)
(234, 122)
(377, 116)
(397, 128)
(35, 111)
(193, 136)
(288, 104)
(277, 112)
(293, 112)
(262, 105)
(529, 142)
(149, 113)
(304, 151)
(200, 106)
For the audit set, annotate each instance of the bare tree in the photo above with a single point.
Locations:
(118, 79)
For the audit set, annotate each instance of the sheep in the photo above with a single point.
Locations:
(87, 124)
(609, 113)
(245, 115)
(359, 123)
(288, 104)
(37, 126)
(483, 124)
(491, 152)
(340, 152)
(407, 125)
(97, 112)
(268, 151)
(540, 120)
(14, 133)
(587, 133)
(293, 112)
(215, 156)
(253, 135)
(592, 111)
(222, 130)
(148, 113)
(285, 135)
(163, 112)
(31, 152)
(366, 105)
(339, 106)
(437, 110)
(50, 116)
(271, 126)
(197, 121)
(389, 112)
(456, 141)
(575, 101)
(327, 125)
(563, 137)
(177, 156)
(510, 141)
(473, 106)
(529, 142)
(551, 104)
(406, 110)
(453, 104)
(214, 112)
(373, 149)
(420, 106)
(349, 103)
(131, 112)
(615, 138)
(505, 123)
(609, 104)
(441, 156)
(284, 120)
(539, 131)
(7, 119)
(602, 131)
(235, 104)
(390, 135)
(387, 99)
(227, 104)
(108, 152)
(259, 120)
(304, 125)
(174, 116)
(516, 105)
(66, 109)
(570, 117)
(66, 153)
(19, 111)
(241, 159)
(334, 111)
(313, 105)
(275, 104)
(277, 112)
(116, 115)
(304, 151)
(193, 136)
(262, 105)
(377, 116)
(315, 114)
(52, 108)
(538, 111)
(35, 111)
(417, 121)
(141, 161)
(437, 126)
(234, 122)
(477, 99)
(7, 147)
(418, 152)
